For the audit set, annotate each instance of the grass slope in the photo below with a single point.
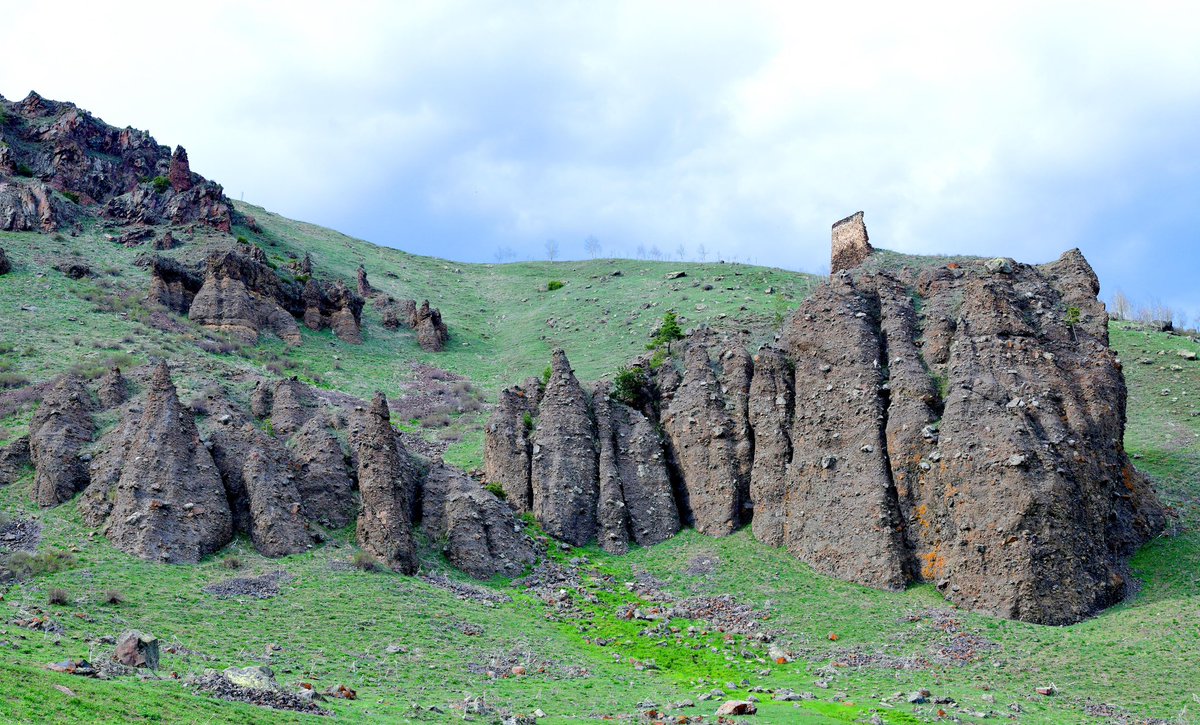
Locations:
(333, 625)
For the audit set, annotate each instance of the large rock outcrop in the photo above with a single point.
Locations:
(482, 535)
(60, 429)
(431, 331)
(168, 503)
(388, 480)
(959, 425)
(508, 445)
(240, 296)
(700, 435)
(68, 151)
(323, 475)
(564, 468)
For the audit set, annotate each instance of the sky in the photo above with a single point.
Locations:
(479, 131)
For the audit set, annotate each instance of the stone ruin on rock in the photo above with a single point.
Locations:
(944, 425)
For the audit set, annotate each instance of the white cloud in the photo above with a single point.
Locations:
(1014, 128)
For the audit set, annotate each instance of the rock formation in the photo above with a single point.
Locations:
(13, 458)
(387, 480)
(5, 265)
(240, 296)
(960, 425)
(509, 443)
(60, 429)
(323, 478)
(173, 285)
(66, 150)
(113, 388)
(292, 405)
(564, 476)
(168, 503)
(364, 285)
(482, 535)
(431, 331)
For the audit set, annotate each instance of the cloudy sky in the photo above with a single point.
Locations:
(461, 129)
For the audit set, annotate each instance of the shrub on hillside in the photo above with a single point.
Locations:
(231, 562)
(160, 184)
(24, 565)
(24, 170)
(58, 596)
(629, 385)
(364, 561)
(496, 490)
(114, 597)
(554, 284)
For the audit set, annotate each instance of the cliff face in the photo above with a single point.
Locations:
(56, 159)
(960, 425)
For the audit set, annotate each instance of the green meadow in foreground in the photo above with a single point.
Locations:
(415, 650)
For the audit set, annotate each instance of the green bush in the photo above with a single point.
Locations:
(25, 565)
(231, 562)
(528, 421)
(554, 284)
(114, 597)
(71, 196)
(629, 386)
(59, 596)
(24, 170)
(160, 183)
(546, 374)
(242, 240)
(364, 561)
(668, 332)
(496, 490)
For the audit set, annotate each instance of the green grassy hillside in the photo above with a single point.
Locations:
(415, 650)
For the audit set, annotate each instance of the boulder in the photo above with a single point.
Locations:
(257, 677)
(734, 708)
(700, 432)
(60, 429)
(387, 480)
(168, 503)
(135, 649)
(5, 265)
(564, 471)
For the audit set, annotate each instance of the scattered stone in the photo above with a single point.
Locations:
(135, 649)
(737, 707)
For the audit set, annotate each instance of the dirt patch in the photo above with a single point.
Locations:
(257, 587)
(861, 659)
(702, 565)
(214, 684)
(517, 663)
(463, 590)
(20, 535)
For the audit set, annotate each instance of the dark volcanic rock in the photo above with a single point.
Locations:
(60, 429)
(564, 469)
(387, 480)
(5, 265)
(770, 414)
(842, 515)
(508, 445)
(323, 477)
(700, 433)
(169, 503)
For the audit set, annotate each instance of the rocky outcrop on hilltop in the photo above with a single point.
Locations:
(168, 502)
(388, 481)
(564, 477)
(72, 158)
(60, 429)
(959, 425)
